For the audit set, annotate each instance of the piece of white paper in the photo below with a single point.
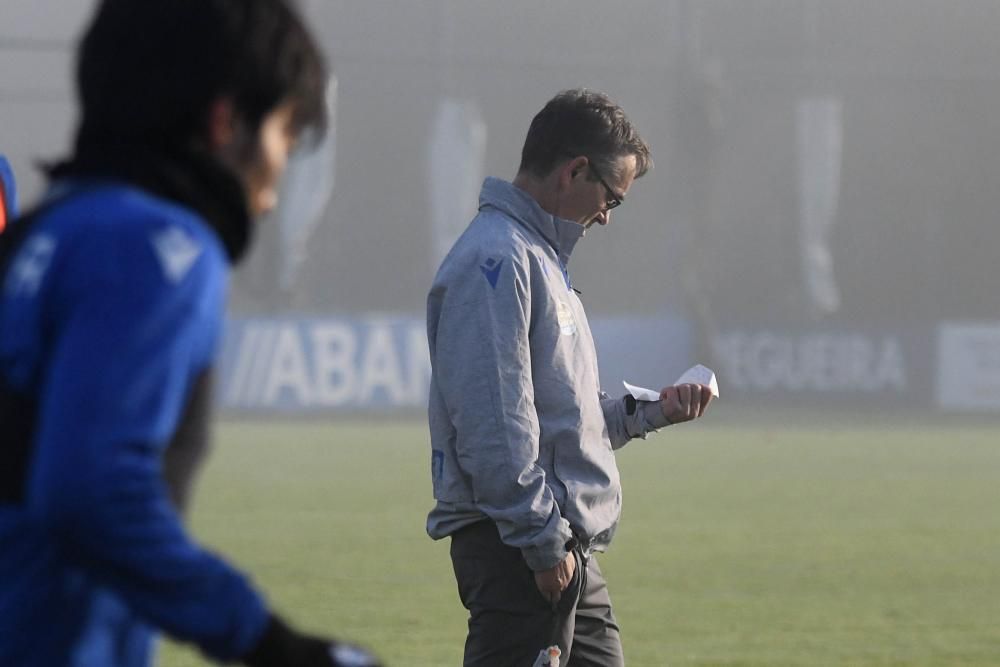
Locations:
(700, 375)
(695, 375)
(641, 393)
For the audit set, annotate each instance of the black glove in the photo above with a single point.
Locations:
(280, 646)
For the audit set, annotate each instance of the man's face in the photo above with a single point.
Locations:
(590, 194)
(259, 159)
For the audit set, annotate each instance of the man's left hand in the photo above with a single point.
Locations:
(553, 581)
(684, 402)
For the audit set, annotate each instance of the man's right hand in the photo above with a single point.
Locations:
(553, 581)
(684, 402)
(282, 646)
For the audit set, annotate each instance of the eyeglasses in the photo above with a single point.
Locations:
(614, 200)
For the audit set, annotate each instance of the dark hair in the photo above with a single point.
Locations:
(582, 122)
(149, 70)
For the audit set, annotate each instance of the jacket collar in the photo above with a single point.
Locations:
(511, 200)
(189, 177)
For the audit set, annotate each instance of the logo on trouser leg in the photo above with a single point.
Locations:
(548, 657)
(437, 464)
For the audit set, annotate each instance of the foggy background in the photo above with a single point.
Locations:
(819, 225)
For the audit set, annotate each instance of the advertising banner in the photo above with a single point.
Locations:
(315, 365)
(969, 366)
(308, 365)
(828, 365)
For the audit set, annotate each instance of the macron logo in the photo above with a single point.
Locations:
(491, 269)
(29, 268)
(177, 252)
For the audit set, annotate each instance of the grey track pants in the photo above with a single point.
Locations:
(509, 619)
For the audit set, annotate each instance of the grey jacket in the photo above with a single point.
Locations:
(520, 431)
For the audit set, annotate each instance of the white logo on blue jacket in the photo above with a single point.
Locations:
(28, 269)
(177, 252)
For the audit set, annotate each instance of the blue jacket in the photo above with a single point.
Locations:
(110, 316)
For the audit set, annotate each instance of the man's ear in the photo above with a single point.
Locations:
(571, 169)
(221, 124)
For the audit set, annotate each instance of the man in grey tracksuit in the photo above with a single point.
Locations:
(523, 439)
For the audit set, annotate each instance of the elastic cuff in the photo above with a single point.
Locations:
(550, 554)
(652, 414)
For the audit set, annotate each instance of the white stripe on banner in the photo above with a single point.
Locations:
(244, 360)
(262, 368)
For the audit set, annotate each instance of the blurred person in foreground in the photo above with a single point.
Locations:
(112, 299)
(8, 193)
(523, 440)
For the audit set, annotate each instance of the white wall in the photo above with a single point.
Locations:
(37, 38)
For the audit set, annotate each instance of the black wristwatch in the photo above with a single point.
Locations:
(571, 544)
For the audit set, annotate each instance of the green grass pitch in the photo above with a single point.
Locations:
(850, 543)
